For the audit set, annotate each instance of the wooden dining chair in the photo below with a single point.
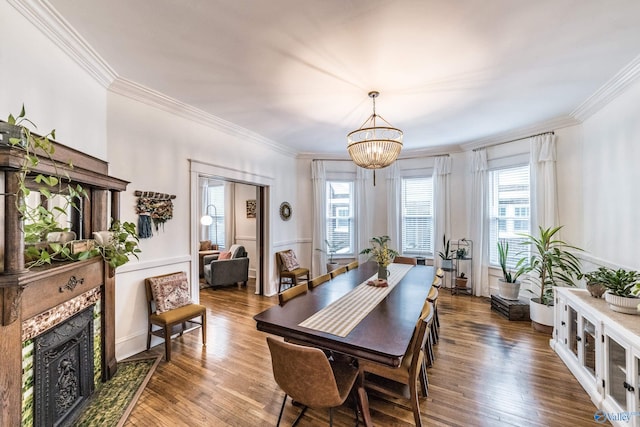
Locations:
(408, 374)
(352, 265)
(309, 378)
(405, 260)
(338, 271)
(437, 282)
(440, 272)
(289, 269)
(291, 293)
(317, 281)
(433, 299)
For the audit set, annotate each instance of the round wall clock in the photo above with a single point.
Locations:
(285, 211)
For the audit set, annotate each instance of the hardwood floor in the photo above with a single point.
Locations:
(488, 372)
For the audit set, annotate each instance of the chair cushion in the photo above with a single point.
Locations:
(205, 245)
(224, 255)
(289, 260)
(188, 311)
(170, 291)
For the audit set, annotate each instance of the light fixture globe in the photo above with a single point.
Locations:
(372, 146)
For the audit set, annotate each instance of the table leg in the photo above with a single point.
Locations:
(363, 401)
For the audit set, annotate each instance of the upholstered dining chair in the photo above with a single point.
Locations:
(409, 373)
(405, 260)
(170, 308)
(291, 293)
(309, 378)
(338, 271)
(352, 265)
(317, 281)
(433, 299)
(289, 269)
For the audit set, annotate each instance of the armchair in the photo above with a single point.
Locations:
(219, 272)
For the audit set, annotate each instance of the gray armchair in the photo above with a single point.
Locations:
(220, 272)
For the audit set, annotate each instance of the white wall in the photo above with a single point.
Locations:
(246, 227)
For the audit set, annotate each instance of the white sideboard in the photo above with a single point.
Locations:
(601, 348)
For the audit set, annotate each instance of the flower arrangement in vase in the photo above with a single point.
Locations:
(381, 253)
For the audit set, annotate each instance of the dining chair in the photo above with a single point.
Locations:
(409, 373)
(433, 299)
(309, 378)
(437, 282)
(289, 269)
(440, 272)
(291, 293)
(338, 271)
(352, 265)
(317, 281)
(405, 260)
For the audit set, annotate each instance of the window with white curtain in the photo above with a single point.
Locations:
(340, 217)
(509, 204)
(417, 216)
(215, 197)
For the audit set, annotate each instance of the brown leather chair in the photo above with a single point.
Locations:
(408, 373)
(405, 260)
(306, 375)
(289, 275)
(291, 293)
(317, 281)
(170, 308)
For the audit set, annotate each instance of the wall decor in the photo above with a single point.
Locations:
(251, 208)
(285, 211)
(153, 207)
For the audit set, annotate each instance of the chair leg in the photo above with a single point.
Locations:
(424, 380)
(415, 405)
(149, 336)
(167, 343)
(204, 328)
(281, 409)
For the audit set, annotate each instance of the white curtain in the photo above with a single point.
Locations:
(544, 196)
(363, 211)
(318, 181)
(393, 205)
(441, 202)
(229, 214)
(479, 222)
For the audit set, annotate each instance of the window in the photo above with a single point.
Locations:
(417, 216)
(510, 211)
(339, 215)
(215, 197)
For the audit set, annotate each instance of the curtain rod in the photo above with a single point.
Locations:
(401, 158)
(513, 140)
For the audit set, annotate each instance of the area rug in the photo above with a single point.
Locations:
(113, 402)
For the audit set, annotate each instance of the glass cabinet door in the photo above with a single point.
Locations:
(617, 372)
(588, 343)
(572, 331)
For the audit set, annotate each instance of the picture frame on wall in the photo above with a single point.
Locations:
(251, 208)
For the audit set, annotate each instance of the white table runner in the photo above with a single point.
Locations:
(341, 316)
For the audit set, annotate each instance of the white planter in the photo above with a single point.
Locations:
(541, 313)
(332, 266)
(622, 304)
(510, 291)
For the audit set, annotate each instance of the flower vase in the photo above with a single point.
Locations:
(382, 272)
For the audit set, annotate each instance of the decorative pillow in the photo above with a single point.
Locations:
(205, 245)
(289, 260)
(170, 291)
(224, 255)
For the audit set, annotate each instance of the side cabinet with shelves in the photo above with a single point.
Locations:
(601, 348)
(462, 266)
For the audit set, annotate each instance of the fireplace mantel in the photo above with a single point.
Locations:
(25, 293)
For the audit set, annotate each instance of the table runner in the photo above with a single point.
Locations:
(344, 314)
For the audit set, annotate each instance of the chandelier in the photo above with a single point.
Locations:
(372, 146)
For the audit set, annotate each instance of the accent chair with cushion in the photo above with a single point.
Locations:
(289, 270)
(206, 248)
(227, 268)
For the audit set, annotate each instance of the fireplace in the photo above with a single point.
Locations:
(63, 368)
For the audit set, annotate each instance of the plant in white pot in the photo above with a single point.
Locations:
(551, 263)
(623, 288)
(509, 285)
(330, 251)
(446, 254)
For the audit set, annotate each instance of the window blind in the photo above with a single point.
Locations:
(417, 216)
(215, 196)
(339, 216)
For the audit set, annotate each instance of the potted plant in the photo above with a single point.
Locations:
(330, 251)
(461, 281)
(552, 264)
(445, 254)
(116, 244)
(381, 253)
(593, 283)
(623, 288)
(509, 285)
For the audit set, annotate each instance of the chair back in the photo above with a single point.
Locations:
(433, 294)
(419, 339)
(352, 265)
(304, 373)
(291, 293)
(437, 282)
(440, 272)
(317, 281)
(338, 271)
(405, 260)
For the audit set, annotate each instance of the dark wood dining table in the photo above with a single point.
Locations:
(382, 336)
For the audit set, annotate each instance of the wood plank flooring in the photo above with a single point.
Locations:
(488, 372)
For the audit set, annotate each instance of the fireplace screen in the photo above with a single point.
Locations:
(63, 368)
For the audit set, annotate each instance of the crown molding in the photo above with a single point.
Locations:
(520, 133)
(163, 102)
(610, 90)
(45, 18)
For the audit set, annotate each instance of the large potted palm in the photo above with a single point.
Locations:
(551, 263)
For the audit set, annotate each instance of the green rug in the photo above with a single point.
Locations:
(111, 404)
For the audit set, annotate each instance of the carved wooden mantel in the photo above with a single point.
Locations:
(25, 293)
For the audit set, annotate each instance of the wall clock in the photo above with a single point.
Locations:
(285, 211)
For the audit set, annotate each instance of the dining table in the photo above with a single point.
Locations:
(381, 333)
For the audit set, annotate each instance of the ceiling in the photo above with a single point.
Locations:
(298, 72)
